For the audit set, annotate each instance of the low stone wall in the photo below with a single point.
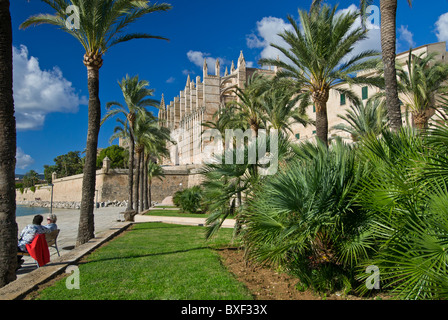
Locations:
(111, 186)
(70, 204)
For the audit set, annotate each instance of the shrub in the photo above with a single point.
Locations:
(189, 200)
(305, 218)
(407, 198)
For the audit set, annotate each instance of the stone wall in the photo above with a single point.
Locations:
(176, 178)
(112, 185)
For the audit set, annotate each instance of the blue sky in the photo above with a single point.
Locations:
(50, 88)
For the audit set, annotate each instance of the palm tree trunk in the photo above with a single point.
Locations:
(388, 10)
(142, 183)
(320, 99)
(131, 173)
(420, 120)
(149, 192)
(145, 178)
(8, 225)
(254, 128)
(86, 221)
(137, 181)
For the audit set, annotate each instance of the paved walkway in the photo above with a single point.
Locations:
(68, 221)
(107, 225)
(228, 223)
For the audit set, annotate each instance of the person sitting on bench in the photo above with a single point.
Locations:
(27, 235)
(51, 222)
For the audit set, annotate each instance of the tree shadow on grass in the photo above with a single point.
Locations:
(143, 255)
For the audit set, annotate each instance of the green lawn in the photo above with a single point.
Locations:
(174, 213)
(155, 261)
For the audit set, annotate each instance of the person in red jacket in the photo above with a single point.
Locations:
(27, 236)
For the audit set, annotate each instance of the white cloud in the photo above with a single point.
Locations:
(39, 92)
(442, 27)
(170, 80)
(407, 37)
(269, 27)
(373, 39)
(268, 30)
(250, 64)
(23, 160)
(197, 57)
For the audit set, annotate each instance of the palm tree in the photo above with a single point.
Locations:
(222, 119)
(150, 138)
(388, 10)
(420, 80)
(406, 198)
(320, 61)
(364, 4)
(101, 26)
(363, 120)
(136, 95)
(228, 186)
(279, 104)
(155, 150)
(154, 170)
(305, 219)
(8, 229)
(247, 106)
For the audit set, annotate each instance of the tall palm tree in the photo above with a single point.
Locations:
(149, 137)
(8, 225)
(154, 171)
(101, 26)
(388, 10)
(364, 4)
(155, 150)
(319, 53)
(136, 95)
(421, 78)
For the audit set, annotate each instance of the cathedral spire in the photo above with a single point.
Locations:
(162, 102)
(217, 68)
(241, 60)
(205, 68)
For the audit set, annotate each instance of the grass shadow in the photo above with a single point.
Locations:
(144, 255)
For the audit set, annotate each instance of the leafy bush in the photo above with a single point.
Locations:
(407, 199)
(189, 200)
(306, 219)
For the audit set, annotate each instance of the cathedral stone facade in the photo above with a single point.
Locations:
(197, 103)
